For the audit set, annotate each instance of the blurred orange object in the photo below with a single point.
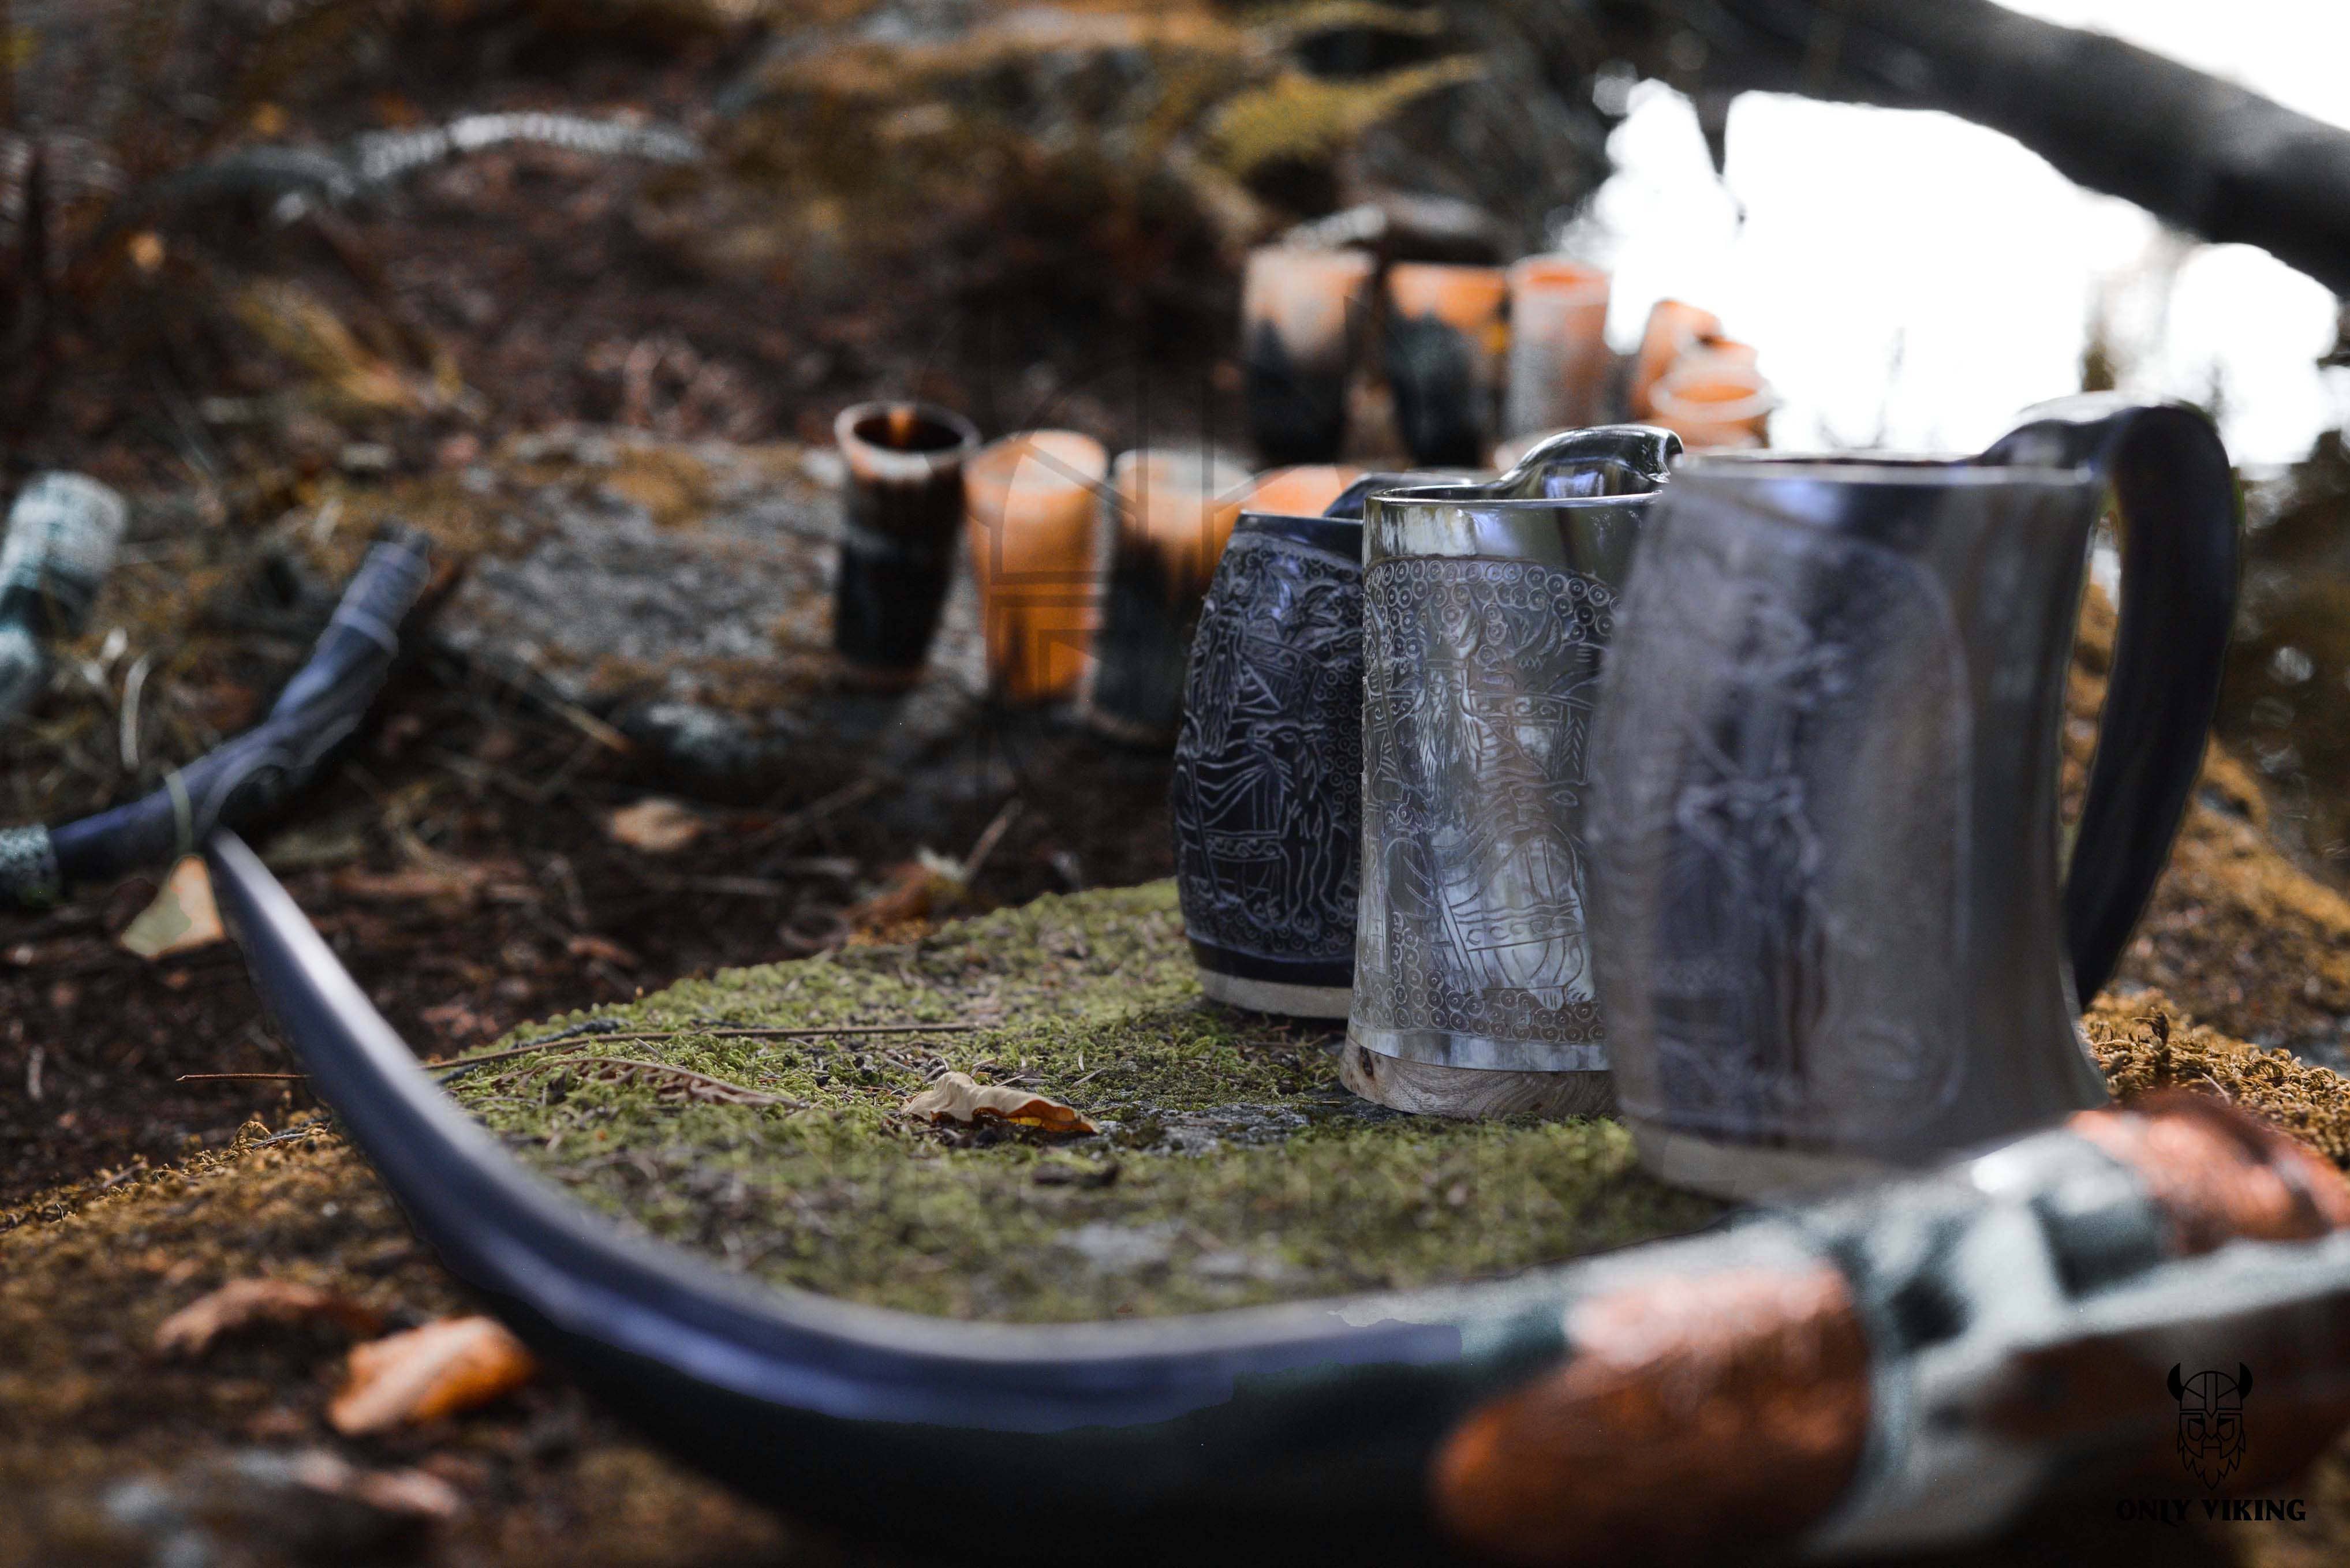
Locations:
(1174, 509)
(1179, 506)
(1033, 507)
(1301, 314)
(1559, 362)
(1302, 490)
(1674, 327)
(1714, 401)
(1446, 342)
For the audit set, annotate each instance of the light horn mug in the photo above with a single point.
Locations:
(1834, 935)
(1486, 607)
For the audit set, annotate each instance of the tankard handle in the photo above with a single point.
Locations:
(2181, 515)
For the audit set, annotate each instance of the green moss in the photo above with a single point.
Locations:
(1295, 116)
(1232, 1167)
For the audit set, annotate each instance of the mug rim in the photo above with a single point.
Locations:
(1464, 494)
(1899, 469)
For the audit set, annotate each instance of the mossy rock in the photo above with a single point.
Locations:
(1231, 1167)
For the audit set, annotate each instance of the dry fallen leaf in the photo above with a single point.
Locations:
(182, 918)
(242, 1304)
(956, 1098)
(923, 889)
(443, 1367)
(654, 825)
(391, 1491)
(595, 947)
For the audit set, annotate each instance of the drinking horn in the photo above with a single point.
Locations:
(1908, 1366)
(243, 780)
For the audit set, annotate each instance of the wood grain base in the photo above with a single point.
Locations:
(1473, 1093)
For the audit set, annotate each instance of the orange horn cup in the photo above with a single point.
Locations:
(1300, 314)
(1035, 504)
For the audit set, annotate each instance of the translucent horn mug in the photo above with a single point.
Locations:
(1834, 932)
(1486, 609)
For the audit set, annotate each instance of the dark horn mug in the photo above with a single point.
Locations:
(1267, 791)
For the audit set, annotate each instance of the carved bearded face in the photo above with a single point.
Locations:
(2212, 1422)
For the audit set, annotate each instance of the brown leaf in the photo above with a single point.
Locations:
(440, 1369)
(655, 826)
(242, 1303)
(182, 918)
(957, 1098)
(595, 947)
(919, 889)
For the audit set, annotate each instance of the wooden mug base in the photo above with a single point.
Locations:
(1746, 1172)
(1473, 1093)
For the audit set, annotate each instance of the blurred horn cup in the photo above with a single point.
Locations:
(1301, 312)
(1035, 508)
(1674, 327)
(1559, 363)
(903, 507)
(1445, 344)
(1171, 509)
(1715, 403)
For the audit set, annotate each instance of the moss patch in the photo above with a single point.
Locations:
(1232, 1168)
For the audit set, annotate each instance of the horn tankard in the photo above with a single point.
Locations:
(1833, 932)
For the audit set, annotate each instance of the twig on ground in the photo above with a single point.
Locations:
(737, 1093)
(992, 834)
(572, 1038)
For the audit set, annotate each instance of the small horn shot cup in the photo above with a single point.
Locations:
(903, 508)
(1715, 403)
(1445, 345)
(1300, 319)
(1171, 510)
(1674, 327)
(1559, 364)
(1034, 509)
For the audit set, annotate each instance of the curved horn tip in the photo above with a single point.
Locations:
(2244, 1380)
(2177, 1388)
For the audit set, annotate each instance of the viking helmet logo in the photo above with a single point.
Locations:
(2212, 1422)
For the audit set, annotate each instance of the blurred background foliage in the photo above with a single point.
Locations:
(223, 220)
